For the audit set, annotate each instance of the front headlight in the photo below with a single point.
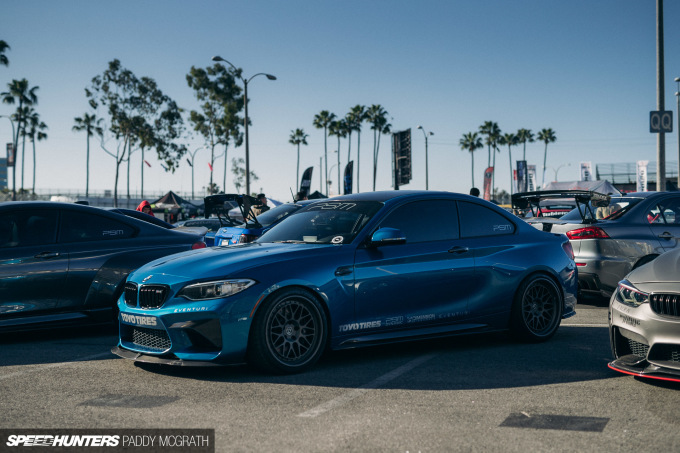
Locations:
(215, 290)
(629, 295)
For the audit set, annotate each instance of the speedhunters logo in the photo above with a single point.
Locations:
(113, 440)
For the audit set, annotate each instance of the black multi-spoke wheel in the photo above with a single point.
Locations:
(288, 333)
(537, 309)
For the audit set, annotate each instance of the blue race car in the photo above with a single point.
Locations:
(357, 270)
(254, 227)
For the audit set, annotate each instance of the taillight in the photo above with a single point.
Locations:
(568, 249)
(587, 233)
(243, 238)
(198, 245)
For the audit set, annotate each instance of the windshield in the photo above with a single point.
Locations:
(617, 208)
(273, 215)
(326, 222)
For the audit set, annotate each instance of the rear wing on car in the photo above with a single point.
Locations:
(221, 204)
(524, 201)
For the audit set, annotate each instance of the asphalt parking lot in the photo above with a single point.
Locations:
(474, 393)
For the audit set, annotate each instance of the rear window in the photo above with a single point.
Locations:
(82, 226)
(478, 221)
(617, 208)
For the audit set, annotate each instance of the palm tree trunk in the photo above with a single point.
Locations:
(511, 174)
(325, 153)
(224, 181)
(128, 177)
(493, 174)
(33, 188)
(297, 174)
(358, 158)
(338, 165)
(87, 167)
(142, 187)
(23, 154)
(472, 154)
(545, 156)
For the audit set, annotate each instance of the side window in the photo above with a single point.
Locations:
(27, 228)
(423, 221)
(79, 226)
(477, 221)
(669, 211)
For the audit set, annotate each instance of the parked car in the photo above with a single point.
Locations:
(255, 227)
(612, 235)
(62, 263)
(212, 224)
(644, 320)
(142, 216)
(356, 270)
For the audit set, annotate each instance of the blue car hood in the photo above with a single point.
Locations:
(222, 261)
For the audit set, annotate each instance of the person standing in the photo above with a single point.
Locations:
(145, 207)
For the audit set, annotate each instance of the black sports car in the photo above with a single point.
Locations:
(63, 263)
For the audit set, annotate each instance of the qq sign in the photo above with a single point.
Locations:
(660, 121)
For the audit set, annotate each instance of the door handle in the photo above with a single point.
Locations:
(459, 250)
(666, 235)
(47, 255)
(343, 270)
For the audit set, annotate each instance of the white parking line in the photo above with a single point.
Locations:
(54, 365)
(379, 382)
(584, 325)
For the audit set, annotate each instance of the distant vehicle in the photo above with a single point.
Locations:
(63, 263)
(142, 216)
(212, 224)
(644, 320)
(356, 270)
(255, 227)
(612, 235)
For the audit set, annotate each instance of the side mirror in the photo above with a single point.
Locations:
(387, 236)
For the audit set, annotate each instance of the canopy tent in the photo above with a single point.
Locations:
(173, 203)
(602, 186)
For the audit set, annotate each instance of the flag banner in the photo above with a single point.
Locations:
(189, 162)
(531, 178)
(642, 175)
(349, 173)
(586, 171)
(306, 181)
(522, 176)
(10, 155)
(210, 166)
(147, 163)
(488, 174)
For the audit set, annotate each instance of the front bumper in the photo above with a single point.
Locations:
(644, 343)
(159, 360)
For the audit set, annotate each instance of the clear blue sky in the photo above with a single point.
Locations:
(585, 68)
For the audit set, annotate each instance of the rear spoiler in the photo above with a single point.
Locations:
(221, 204)
(584, 199)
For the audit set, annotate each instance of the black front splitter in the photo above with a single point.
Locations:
(145, 358)
(635, 366)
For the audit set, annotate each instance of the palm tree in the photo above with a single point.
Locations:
(339, 129)
(358, 116)
(36, 132)
(321, 121)
(298, 137)
(489, 128)
(509, 139)
(3, 58)
(19, 93)
(471, 142)
(91, 125)
(524, 136)
(377, 116)
(546, 136)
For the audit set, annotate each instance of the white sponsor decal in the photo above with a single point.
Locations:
(420, 318)
(190, 309)
(395, 321)
(502, 227)
(360, 326)
(112, 233)
(138, 320)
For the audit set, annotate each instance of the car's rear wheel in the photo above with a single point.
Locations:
(288, 333)
(536, 309)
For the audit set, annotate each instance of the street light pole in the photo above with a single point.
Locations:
(245, 107)
(192, 170)
(15, 142)
(427, 177)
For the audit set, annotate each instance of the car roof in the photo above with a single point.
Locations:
(388, 195)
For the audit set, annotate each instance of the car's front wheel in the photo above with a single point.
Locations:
(288, 333)
(536, 310)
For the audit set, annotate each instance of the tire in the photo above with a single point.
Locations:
(536, 310)
(288, 333)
